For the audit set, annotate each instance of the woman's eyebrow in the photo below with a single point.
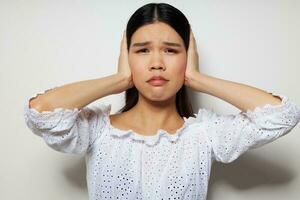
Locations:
(140, 44)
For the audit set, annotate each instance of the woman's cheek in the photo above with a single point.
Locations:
(138, 73)
(178, 68)
(133, 66)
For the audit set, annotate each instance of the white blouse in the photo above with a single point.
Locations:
(123, 164)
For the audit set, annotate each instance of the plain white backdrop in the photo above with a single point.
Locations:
(46, 43)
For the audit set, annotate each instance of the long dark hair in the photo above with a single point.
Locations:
(148, 14)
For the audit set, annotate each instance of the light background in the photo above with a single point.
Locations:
(48, 43)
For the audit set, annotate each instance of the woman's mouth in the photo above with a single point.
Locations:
(157, 82)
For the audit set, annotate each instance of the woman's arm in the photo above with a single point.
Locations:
(263, 118)
(67, 125)
(240, 95)
(79, 94)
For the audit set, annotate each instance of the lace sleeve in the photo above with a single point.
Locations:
(232, 135)
(70, 131)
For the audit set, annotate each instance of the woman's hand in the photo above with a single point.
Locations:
(192, 66)
(123, 64)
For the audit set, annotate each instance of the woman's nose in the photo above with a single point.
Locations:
(157, 62)
(157, 67)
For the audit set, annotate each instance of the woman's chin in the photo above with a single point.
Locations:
(159, 97)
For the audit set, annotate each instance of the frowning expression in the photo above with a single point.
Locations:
(157, 50)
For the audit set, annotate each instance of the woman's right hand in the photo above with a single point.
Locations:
(123, 64)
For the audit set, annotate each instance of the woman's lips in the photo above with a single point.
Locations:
(157, 82)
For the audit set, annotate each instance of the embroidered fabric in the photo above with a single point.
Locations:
(179, 167)
(232, 135)
(66, 130)
(149, 140)
(50, 119)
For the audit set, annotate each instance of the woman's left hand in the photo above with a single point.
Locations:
(192, 66)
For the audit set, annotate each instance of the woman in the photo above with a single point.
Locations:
(155, 148)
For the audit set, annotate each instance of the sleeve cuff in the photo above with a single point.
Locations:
(46, 119)
(287, 108)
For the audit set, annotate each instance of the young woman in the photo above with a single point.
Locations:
(155, 147)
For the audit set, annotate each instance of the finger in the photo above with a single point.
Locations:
(124, 35)
(124, 43)
(193, 41)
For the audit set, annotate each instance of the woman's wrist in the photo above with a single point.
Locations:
(127, 81)
(195, 81)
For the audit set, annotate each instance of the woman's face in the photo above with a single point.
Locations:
(157, 58)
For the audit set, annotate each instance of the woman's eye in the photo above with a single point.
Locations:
(141, 50)
(168, 50)
(172, 50)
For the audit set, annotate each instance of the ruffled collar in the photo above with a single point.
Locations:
(148, 140)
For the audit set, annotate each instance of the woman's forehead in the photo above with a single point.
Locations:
(156, 33)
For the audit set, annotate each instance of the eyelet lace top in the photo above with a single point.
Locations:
(123, 164)
(149, 140)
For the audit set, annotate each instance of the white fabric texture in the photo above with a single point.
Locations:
(123, 164)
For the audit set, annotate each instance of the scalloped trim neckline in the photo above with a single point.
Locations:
(173, 137)
(147, 139)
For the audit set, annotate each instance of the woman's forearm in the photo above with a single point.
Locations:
(242, 96)
(79, 94)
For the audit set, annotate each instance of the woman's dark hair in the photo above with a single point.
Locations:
(149, 14)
